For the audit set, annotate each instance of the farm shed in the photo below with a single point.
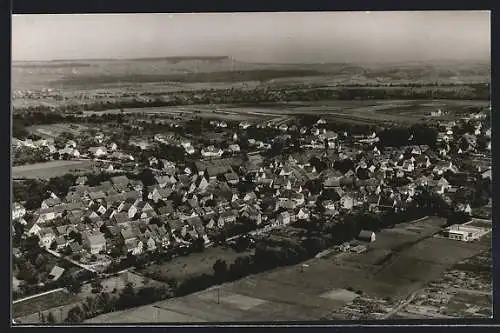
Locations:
(366, 235)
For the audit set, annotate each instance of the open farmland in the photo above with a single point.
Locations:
(325, 287)
(47, 170)
(361, 112)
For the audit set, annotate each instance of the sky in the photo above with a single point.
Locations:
(307, 37)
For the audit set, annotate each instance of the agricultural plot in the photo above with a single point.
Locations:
(143, 314)
(51, 169)
(53, 130)
(43, 303)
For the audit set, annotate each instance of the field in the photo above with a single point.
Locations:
(325, 287)
(361, 112)
(195, 263)
(105, 72)
(117, 283)
(42, 303)
(53, 130)
(50, 169)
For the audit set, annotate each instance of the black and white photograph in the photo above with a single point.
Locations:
(250, 167)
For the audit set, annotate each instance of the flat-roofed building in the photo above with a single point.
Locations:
(463, 233)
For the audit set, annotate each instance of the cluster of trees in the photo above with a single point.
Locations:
(129, 296)
(418, 134)
(170, 152)
(31, 191)
(34, 191)
(29, 155)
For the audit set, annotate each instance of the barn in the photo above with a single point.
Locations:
(366, 235)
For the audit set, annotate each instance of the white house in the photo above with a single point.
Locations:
(98, 151)
(303, 214)
(18, 211)
(211, 151)
(234, 148)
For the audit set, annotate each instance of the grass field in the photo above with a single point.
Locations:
(119, 282)
(50, 169)
(195, 263)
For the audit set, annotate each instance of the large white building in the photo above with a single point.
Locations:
(463, 233)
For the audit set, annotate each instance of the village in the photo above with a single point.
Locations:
(166, 193)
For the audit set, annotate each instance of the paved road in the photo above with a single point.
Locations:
(76, 263)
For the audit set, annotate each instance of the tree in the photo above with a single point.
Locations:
(127, 296)
(147, 177)
(457, 218)
(104, 302)
(220, 268)
(74, 285)
(40, 260)
(198, 244)
(75, 315)
(31, 243)
(51, 319)
(76, 236)
(96, 286)
(28, 273)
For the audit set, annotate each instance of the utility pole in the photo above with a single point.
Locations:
(218, 295)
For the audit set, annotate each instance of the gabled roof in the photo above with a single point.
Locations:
(56, 272)
(97, 195)
(121, 217)
(175, 224)
(95, 238)
(127, 234)
(167, 209)
(52, 201)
